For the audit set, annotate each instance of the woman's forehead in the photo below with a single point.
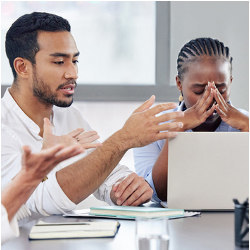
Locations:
(208, 70)
(209, 64)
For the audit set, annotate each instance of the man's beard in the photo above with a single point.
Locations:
(45, 95)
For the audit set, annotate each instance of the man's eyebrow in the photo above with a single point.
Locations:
(58, 54)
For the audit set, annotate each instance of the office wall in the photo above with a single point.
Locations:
(224, 20)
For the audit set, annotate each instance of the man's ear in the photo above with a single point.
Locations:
(22, 67)
(178, 83)
(231, 79)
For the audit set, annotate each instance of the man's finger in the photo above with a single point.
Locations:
(89, 134)
(165, 135)
(130, 189)
(68, 152)
(146, 105)
(92, 138)
(135, 195)
(161, 107)
(26, 153)
(115, 186)
(170, 126)
(51, 152)
(123, 185)
(142, 199)
(76, 132)
(169, 116)
(26, 150)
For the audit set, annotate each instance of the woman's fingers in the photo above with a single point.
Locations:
(210, 111)
(220, 111)
(220, 101)
(206, 100)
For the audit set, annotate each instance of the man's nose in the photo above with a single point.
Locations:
(72, 72)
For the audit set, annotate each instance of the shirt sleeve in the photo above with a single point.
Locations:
(10, 229)
(145, 159)
(103, 192)
(48, 198)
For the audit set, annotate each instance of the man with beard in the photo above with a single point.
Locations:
(43, 56)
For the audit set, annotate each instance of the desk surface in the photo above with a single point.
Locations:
(211, 231)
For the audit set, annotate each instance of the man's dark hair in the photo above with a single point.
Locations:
(21, 38)
(199, 47)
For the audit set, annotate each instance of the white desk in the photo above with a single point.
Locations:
(210, 231)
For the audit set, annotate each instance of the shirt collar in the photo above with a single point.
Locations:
(13, 107)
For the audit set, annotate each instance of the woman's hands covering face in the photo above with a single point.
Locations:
(201, 110)
(229, 114)
(206, 105)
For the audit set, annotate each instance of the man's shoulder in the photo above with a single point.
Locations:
(8, 106)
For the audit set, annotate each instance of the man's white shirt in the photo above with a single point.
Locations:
(9, 229)
(19, 130)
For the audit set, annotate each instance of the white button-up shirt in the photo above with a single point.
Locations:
(9, 229)
(19, 130)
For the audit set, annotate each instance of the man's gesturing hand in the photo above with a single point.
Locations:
(144, 127)
(131, 191)
(37, 165)
(77, 136)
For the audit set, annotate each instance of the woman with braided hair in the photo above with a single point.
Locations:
(204, 79)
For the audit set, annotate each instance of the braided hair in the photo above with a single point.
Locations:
(199, 47)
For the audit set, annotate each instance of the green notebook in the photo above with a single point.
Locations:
(133, 212)
(73, 230)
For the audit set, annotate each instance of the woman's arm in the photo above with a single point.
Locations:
(160, 173)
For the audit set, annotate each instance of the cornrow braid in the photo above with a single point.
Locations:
(201, 47)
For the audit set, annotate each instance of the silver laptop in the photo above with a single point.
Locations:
(206, 170)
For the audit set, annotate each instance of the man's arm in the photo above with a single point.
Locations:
(83, 177)
(34, 168)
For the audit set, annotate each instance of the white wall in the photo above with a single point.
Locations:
(224, 20)
(108, 117)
